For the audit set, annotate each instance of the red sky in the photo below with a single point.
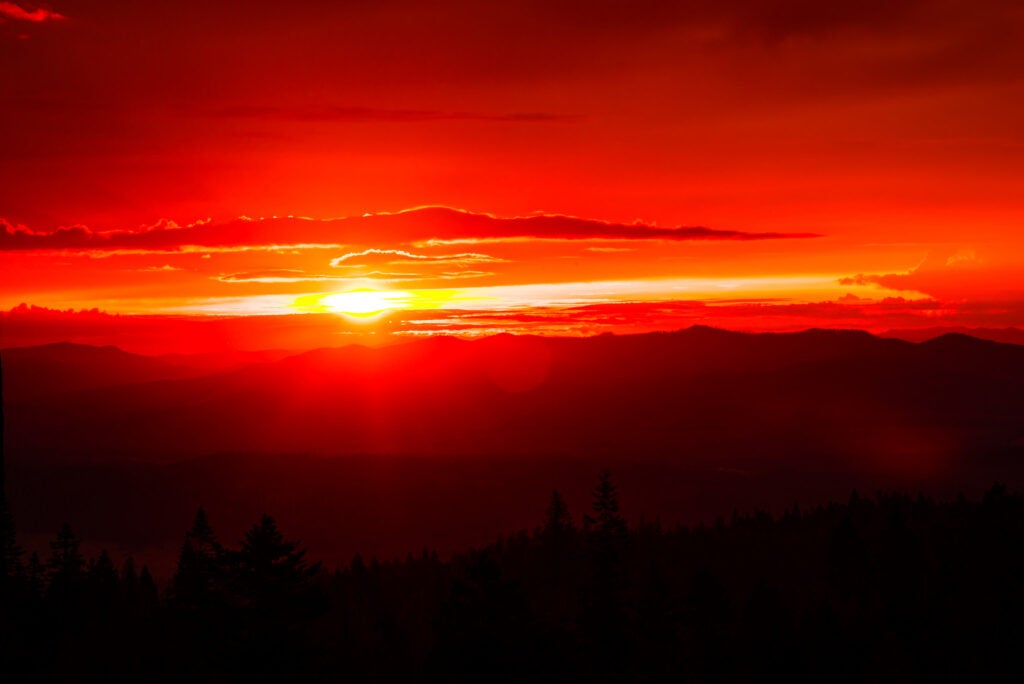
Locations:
(754, 164)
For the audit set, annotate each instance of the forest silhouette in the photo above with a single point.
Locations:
(875, 589)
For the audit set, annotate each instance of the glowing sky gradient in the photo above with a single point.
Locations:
(554, 167)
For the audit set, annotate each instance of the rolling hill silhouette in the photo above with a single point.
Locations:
(1005, 335)
(61, 367)
(426, 434)
(695, 394)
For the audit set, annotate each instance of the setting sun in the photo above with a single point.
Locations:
(365, 303)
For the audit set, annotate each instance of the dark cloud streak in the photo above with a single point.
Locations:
(368, 114)
(11, 10)
(419, 225)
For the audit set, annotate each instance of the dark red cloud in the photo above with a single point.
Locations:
(757, 314)
(367, 114)
(399, 256)
(419, 225)
(952, 275)
(11, 10)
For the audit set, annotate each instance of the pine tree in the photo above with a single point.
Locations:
(36, 575)
(129, 575)
(558, 571)
(66, 566)
(103, 581)
(129, 581)
(269, 570)
(12, 553)
(202, 537)
(10, 558)
(277, 596)
(65, 554)
(149, 597)
(199, 576)
(607, 527)
(557, 521)
(4, 571)
(603, 615)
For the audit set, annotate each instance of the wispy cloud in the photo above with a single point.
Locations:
(356, 259)
(342, 114)
(609, 250)
(463, 275)
(11, 10)
(754, 314)
(370, 278)
(277, 275)
(423, 226)
(952, 274)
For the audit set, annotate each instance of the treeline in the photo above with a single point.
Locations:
(875, 589)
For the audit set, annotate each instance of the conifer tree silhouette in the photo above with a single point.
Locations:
(607, 527)
(149, 595)
(129, 582)
(556, 575)
(103, 582)
(199, 576)
(12, 552)
(10, 558)
(274, 590)
(36, 575)
(66, 566)
(268, 571)
(607, 540)
(557, 521)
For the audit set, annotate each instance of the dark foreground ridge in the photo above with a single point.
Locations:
(875, 589)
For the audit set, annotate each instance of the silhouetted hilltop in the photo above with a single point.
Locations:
(66, 367)
(696, 394)
(1004, 335)
(962, 343)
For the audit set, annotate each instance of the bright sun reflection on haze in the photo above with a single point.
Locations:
(365, 303)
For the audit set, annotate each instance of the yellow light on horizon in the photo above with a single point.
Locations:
(365, 303)
(368, 303)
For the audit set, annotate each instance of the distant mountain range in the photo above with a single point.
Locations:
(699, 393)
(447, 440)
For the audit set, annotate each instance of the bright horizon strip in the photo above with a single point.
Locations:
(806, 288)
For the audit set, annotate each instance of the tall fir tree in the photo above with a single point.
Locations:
(268, 569)
(66, 566)
(129, 582)
(11, 555)
(103, 582)
(607, 527)
(36, 576)
(199, 576)
(603, 615)
(13, 567)
(149, 596)
(557, 521)
(275, 592)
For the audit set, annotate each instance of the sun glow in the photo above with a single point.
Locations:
(365, 303)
